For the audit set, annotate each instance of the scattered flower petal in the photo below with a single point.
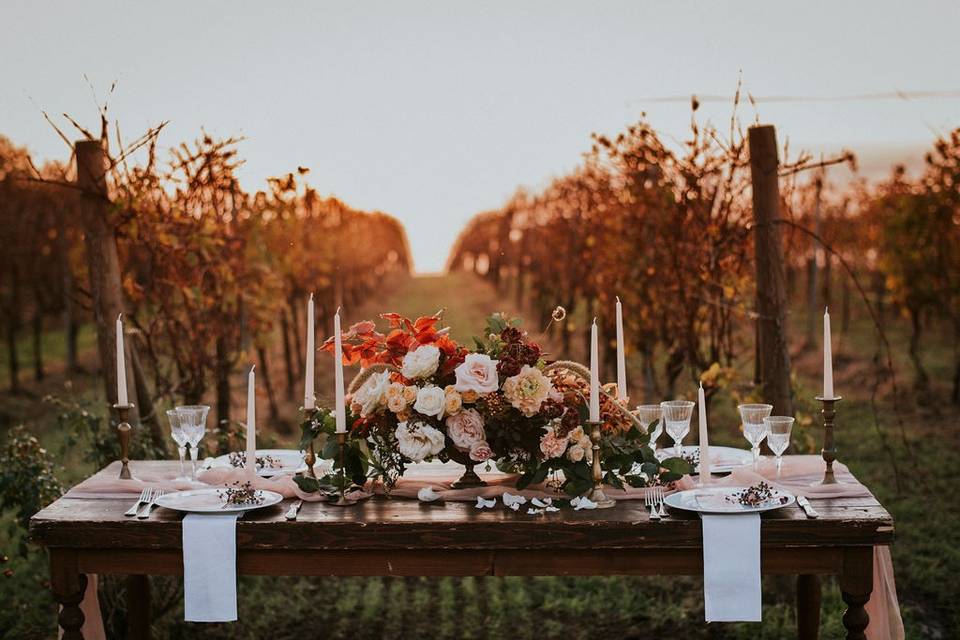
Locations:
(550, 508)
(582, 502)
(509, 499)
(427, 494)
(534, 512)
(515, 506)
(537, 502)
(483, 503)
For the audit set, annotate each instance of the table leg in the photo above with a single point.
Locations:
(138, 607)
(68, 586)
(808, 607)
(856, 583)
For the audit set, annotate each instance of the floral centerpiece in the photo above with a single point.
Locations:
(422, 396)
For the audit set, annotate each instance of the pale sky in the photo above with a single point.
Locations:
(432, 111)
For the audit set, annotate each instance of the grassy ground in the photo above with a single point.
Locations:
(926, 554)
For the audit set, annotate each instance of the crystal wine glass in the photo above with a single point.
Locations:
(176, 431)
(676, 415)
(193, 421)
(778, 436)
(752, 416)
(648, 414)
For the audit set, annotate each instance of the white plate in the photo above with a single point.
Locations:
(715, 500)
(209, 501)
(725, 459)
(290, 461)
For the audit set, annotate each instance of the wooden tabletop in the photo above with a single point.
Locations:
(398, 523)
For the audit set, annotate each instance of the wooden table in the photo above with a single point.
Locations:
(406, 538)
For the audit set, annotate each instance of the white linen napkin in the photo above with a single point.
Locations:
(731, 567)
(210, 567)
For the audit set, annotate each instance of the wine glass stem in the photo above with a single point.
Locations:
(779, 464)
(677, 449)
(183, 452)
(193, 461)
(756, 455)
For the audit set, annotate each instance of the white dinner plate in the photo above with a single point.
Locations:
(722, 500)
(284, 461)
(210, 501)
(724, 459)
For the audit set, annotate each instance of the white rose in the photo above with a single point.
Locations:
(421, 362)
(419, 441)
(430, 401)
(576, 453)
(466, 429)
(371, 396)
(477, 373)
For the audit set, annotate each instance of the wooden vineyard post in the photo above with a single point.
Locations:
(103, 264)
(771, 286)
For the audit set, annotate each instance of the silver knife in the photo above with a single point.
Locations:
(807, 509)
(293, 510)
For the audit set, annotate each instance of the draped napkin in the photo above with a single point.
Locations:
(731, 567)
(210, 567)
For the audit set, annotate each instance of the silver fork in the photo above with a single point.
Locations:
(145, 512)
(650, 502)
(660, 498)
(144, 497)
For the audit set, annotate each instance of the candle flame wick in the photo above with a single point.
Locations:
(338, 310)
(618, 298)
(252, 368)
(311, 296)
(120, 316)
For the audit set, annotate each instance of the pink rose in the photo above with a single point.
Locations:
(477, 373)
(552, 445)
(480, 452)
(466, 429)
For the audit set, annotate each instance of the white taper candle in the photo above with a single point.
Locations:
(250, 460)
(309, 396)
(704, 438)
(621, 357)
(121, 365)
(341, 412)
(827, 357)
(594, 375)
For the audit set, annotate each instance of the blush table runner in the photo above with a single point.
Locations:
(797, 476)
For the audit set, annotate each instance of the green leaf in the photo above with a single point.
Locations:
(307, 485)
(677, 466)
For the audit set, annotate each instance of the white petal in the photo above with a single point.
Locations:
(482, 503)
(427, 494)
(509, 499)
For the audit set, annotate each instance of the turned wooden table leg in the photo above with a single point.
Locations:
(808, 607)
(68, 586)
(856, 583)
(138, 607)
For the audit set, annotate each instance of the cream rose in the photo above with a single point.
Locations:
(480, 452)
(552, 445)
(419, 441)
(580, 446)
(527, 390)
(421, 362)
(410, 393)
(396, 401)
(576, 453)
(430, 401)
(371, 396)
(466, 429)
(477, 373)
(452, 400)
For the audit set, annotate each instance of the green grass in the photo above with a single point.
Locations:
(53, 348)
(926, 554)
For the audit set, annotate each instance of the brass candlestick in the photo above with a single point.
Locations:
(596, 494)
(343, 501)
(829, 450)
(310, 457)
(123, 433)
